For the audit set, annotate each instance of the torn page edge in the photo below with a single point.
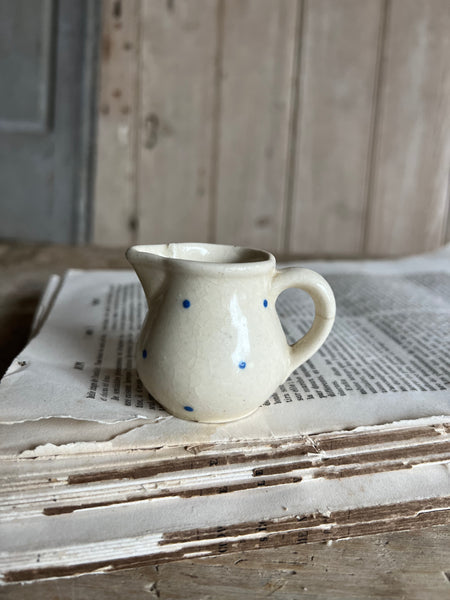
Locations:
(110, 445)
(46, 303)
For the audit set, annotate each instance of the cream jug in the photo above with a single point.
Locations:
(212, 348)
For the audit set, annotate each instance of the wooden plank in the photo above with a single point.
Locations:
(115, 186)
(338, 67)
(255, 107)
(179, 44)
(412, 151)
(393, 566)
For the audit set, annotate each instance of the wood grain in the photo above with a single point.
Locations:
(412, 147)
(114, 208)
(179, 45)
(392, 566)
(306, 127)
(255, 107)
(338, 68)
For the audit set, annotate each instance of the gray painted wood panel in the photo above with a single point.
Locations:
(44, 143)
(447, 232)
(26, 39)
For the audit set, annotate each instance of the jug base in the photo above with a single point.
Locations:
(211, 421)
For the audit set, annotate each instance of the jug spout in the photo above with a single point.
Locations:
(149, 269)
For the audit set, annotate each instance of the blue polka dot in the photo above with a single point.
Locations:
(186, 303)
(144, 353)
(188, 408)
(265, 303)
(242, 365)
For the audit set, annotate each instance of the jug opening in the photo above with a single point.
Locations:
(201, 253)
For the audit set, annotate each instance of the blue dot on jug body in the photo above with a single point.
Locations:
(186, 303)
(189, 408)
(242, 364)
(265, 303)
(144, 353)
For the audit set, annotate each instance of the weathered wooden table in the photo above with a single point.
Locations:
(393, 565)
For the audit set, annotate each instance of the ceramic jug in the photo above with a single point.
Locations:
(212, 348)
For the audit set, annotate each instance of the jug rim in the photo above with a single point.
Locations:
(202, 257)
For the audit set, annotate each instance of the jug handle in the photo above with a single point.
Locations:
(325, 308)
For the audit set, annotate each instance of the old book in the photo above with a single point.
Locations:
(96, 475)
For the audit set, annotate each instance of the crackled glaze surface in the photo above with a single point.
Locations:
(212, 348)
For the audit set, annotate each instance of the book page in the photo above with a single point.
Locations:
(386, 359)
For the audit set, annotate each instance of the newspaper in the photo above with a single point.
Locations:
(386, 360)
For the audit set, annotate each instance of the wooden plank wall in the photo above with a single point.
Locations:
(115, 215)
(308, 127)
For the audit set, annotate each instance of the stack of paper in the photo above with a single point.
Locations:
(96, 476)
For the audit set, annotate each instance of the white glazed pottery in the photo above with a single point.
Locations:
(212, 348)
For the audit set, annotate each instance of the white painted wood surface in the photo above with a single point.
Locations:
(337, 77)
(178, 52)
(409, 192)
(254, 119)
(309, 127)
(115, 185)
